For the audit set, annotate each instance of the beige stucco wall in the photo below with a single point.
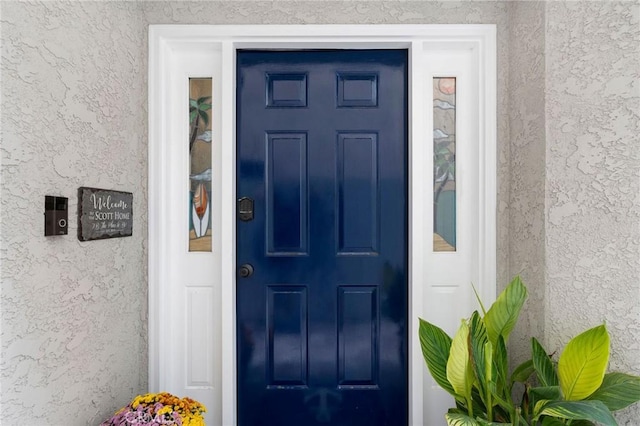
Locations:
(524, 203)
(74, 95)
(593, 177)
(73, 114)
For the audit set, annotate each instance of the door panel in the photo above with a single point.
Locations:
(286, 197)
(322, 322)
(357, 336)
(287, 322)
(357, 193)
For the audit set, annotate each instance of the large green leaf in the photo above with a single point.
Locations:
(522, 372)
(505, 404)
(551, 421)
(618, 390)
(477, 404)
(479, 340)
(543, 365)
(488, 361)
(547, 393)
(576, 410)
(459, 370)
(490, 384)
(583, 362)
(458, 419)
(436, 345)
(501, 368)
(503, 314)
(500, 389)
(484, 422)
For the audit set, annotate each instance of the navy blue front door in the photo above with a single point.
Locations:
(322, 253)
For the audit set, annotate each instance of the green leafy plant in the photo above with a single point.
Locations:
(472, 367)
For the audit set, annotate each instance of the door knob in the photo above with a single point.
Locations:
(245, 270)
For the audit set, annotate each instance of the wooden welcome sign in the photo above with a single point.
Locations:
(103, 213)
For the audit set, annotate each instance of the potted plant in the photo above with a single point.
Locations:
(472, 367)
(159, 409)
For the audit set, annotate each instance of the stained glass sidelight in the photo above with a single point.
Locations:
(200, 139)
(444, 164)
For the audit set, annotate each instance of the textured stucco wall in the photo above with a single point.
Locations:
(525, 229)
(73, 114)
(593, 164)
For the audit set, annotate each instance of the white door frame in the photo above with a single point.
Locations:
(192, 334)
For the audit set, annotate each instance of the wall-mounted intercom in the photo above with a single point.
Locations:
(56, 215)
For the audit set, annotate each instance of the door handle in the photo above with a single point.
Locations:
(245, 270)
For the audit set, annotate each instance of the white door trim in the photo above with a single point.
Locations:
(179, 51)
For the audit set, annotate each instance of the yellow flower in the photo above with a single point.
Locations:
(189, 410)
(165, 410)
